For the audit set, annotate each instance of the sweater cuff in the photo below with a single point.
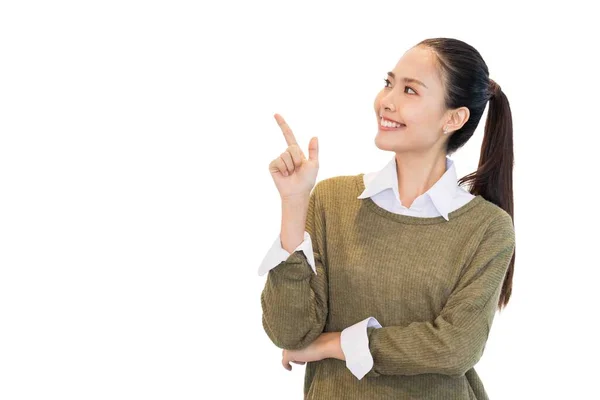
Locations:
(277, 254)
(355, 346)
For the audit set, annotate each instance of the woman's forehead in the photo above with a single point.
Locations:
(418, 63)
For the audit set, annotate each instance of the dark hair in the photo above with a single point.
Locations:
(465, 77)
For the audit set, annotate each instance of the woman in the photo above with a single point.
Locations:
(387, 284)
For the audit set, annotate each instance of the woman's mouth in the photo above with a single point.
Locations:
(386, 125)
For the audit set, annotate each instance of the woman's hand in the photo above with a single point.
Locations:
(327, 345)
(294, 175)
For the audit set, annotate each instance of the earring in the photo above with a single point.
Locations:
(445, 131)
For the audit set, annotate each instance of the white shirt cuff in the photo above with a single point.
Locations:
(278, 254)
(355, 346)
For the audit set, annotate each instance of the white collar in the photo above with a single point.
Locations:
(440, 194)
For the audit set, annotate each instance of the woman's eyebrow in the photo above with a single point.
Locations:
(408, 80)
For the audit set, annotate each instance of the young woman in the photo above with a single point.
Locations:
(387, 284)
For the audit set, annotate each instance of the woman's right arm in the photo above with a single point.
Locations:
(294, 299)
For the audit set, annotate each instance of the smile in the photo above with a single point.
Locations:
(387, 125)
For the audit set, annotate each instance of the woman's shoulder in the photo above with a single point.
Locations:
(339, 182)
(498, 218)
(337, 188)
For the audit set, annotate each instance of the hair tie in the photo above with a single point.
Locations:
(494, 89)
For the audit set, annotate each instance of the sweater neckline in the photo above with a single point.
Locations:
(409, 219)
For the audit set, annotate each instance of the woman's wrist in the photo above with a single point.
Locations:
(334, 346)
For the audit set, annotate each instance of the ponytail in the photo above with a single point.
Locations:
(493, 177)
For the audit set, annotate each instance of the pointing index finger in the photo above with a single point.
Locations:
(287, 131)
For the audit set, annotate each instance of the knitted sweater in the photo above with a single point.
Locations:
(432, 284)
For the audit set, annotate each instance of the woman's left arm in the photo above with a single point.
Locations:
(454, 342)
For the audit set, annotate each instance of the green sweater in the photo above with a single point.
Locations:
(432, 284)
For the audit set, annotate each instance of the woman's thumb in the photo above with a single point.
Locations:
(313, 149)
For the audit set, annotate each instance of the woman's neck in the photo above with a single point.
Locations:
(417, 173)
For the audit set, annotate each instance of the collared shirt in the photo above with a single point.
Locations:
(381, 186)
(442, 198)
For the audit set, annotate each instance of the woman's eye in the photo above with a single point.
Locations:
(388, 83)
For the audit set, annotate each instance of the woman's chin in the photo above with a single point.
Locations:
(387, 141)
(384, 141)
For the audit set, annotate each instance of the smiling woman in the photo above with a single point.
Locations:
(386, 284)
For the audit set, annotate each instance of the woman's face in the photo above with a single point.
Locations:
(419, 107)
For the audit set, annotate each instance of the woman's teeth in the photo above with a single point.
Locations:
(390, 124)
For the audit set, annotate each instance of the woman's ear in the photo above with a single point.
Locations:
(458, 118)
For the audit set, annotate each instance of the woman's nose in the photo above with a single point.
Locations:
(388, 104)
(389, 101)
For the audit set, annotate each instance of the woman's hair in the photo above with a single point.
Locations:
(465, 78)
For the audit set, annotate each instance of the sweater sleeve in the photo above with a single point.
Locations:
(295, 297)
(454, 341)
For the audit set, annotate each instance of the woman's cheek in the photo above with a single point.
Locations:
(412, 115)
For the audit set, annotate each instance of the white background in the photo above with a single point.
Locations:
(136, 202)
